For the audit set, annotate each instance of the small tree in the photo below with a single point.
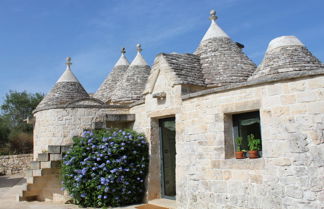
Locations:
(15, 134)
(17, 107)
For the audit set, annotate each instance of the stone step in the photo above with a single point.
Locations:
(50, 171)
(51, 164)
(41, 172)
(35, 165)
(30, 180)
(42, 157)
(29, 195)
(37, 172)
(65, 148)
(26, 198)
(58, 149)
(29, 173)
(27, 187)
(54, 149)
(55, 157)
(47, 164)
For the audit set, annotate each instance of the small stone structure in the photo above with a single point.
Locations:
(12, 164)
(203, 91)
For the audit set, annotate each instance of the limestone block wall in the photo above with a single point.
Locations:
(11, 164)
(291, 172)
(148, 115)
(58, 126)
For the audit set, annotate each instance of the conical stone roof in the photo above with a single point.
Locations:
(66, 89)
(107, 88)
(286, 54)
(131, 87)
(223, 61)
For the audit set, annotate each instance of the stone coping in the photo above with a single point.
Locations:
(105, 106)
(139, 102)
(18, 155)
(120, 117)
(258, 81)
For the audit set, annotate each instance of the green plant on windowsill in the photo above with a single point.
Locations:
(239, 154)
(254, 146)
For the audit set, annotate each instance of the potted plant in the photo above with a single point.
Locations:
(239, 154)
(254, 146)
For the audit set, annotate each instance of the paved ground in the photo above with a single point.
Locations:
(10, 186)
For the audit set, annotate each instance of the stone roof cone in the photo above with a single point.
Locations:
(284, 55)
(106, 89)
(131, 87)
(222, 60)
(66, 89)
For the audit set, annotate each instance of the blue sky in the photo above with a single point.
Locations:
(37, 35)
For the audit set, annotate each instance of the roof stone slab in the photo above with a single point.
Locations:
(107, 88)
(286, 54)
(66, 89)
(222, 61)
(130, 88)
(187, 68)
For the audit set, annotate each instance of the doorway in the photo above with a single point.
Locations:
(168, 154)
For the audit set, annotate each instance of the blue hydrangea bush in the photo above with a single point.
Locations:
(106, 168)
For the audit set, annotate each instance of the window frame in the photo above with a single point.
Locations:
(236, 118)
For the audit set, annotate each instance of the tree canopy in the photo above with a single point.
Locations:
(14, 131)
(18, 106)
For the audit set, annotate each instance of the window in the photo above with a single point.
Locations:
(244, 125)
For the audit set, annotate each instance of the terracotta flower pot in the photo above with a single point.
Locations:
(239, 155)
(253, 154)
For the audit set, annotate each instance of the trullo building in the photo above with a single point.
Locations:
(191, 107)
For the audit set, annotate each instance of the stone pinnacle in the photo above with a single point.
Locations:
(68, 62)
(139, 47)
(212, 15)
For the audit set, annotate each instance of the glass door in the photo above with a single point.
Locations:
(168, 153)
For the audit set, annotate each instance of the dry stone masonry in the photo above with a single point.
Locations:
(131, 87)
(202, 91)
(11, 164)
(286, 54)
(107, 88)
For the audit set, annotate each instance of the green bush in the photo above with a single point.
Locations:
(106, 168)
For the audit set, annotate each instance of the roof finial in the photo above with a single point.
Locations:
(123, 51)
(212, 15)
(139, 48)
(68, 62)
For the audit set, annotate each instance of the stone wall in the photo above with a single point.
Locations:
(58, 126)
(148, 115)
(289, 175)
(11, 164)
(291, 172)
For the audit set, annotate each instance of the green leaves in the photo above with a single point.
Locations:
(15, 133)
(254, 144)
(238, 141)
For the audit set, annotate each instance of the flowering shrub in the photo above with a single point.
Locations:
(106, 168)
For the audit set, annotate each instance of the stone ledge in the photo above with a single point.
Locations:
(120, 117)
(105, 106)
(259, 81)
